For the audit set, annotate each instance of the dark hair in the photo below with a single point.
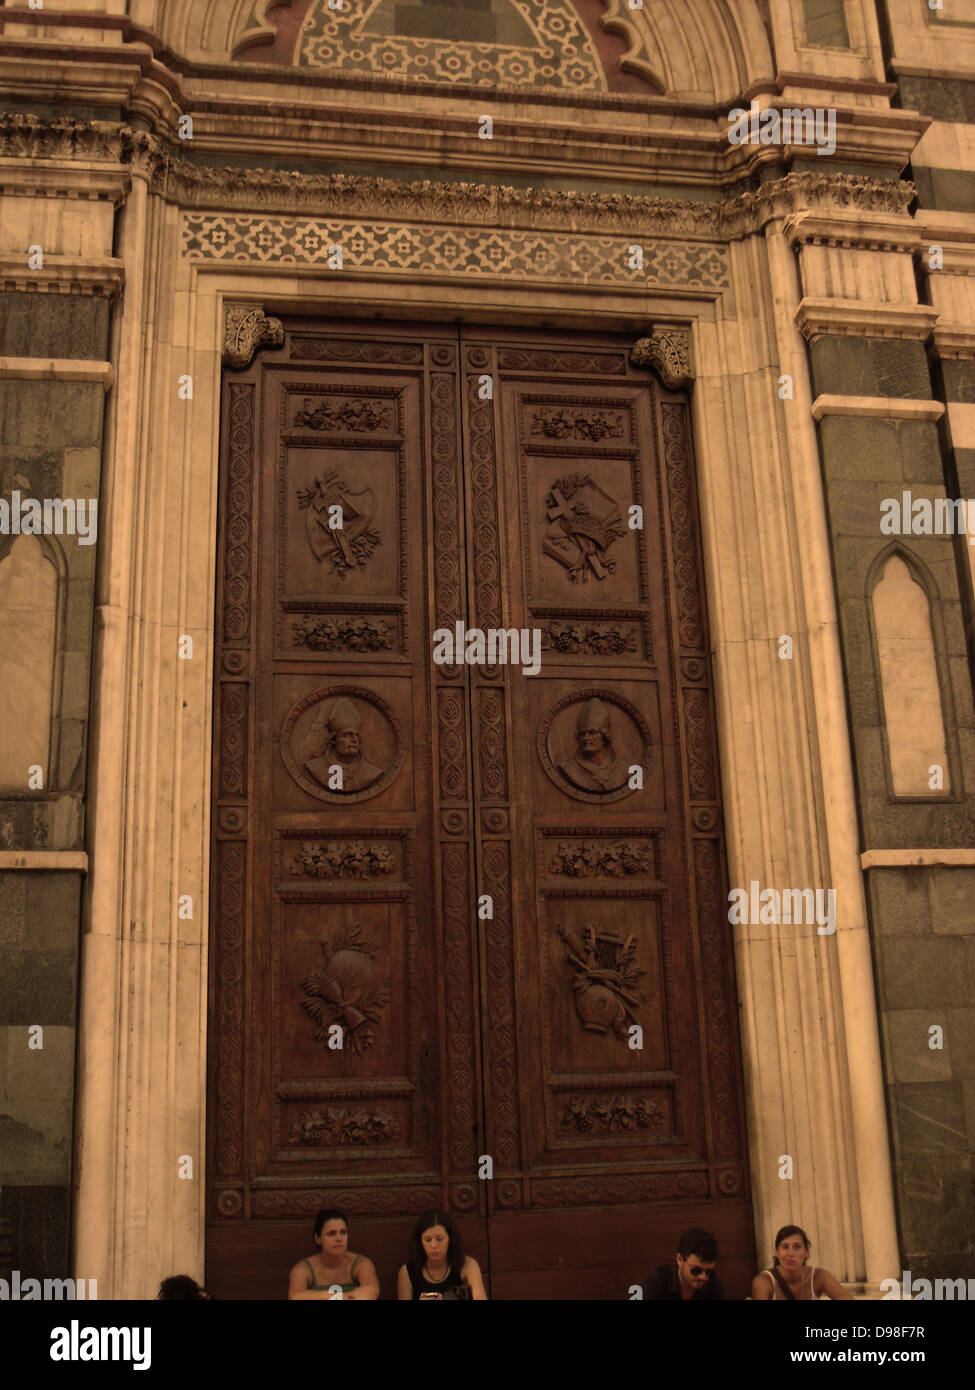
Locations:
(329, 1214)
(697, 1242)
(456, 1254)
(784, 1234)
(181, 1286)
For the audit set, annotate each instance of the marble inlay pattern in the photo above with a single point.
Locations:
(523, 43)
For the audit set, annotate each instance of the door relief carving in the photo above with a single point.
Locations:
(345, 991)
(329, 741)
(368, 801)
(590, 742)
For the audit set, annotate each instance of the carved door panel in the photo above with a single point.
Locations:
(371, 1035)
(608, 998)
(344, 1063)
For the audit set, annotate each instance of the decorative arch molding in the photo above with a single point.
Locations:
(919, 570)
(710, 51)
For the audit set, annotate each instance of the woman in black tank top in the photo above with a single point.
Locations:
(438, 1269)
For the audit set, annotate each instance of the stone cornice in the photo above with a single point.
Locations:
(43, 860)
(64, 275)
(916, 858)
(857, 318)
(877, 408)
(953, 341)
(833, 198)
(56, 369)
(839, 227)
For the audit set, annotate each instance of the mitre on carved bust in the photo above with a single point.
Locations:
(337, 734)
(594, 767)
(594, 715)
(344, 715)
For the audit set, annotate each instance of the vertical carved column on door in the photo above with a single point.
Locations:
(231, 743)
(455, 830)
(717, 987)
(491, 716)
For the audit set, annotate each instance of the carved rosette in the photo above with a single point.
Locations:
(247, 328)
(669, 353)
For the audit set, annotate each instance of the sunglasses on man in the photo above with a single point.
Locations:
(695, 1271)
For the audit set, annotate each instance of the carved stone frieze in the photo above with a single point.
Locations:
(24, 136)
(247, 328)
(668, 352)
(487, 205)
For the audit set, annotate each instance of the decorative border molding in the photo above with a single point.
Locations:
(916, 858)
(348, 196)
(877, 407)
(857, 318)
(475, 254)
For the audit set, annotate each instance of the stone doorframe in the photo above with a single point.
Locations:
(725, 279)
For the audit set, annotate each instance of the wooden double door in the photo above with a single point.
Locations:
(469, 938)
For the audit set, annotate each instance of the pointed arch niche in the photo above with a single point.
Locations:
(908, 674)
(31, 611)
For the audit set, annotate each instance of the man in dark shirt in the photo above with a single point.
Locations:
(692, 1275)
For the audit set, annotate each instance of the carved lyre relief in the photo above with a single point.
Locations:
(605, 983)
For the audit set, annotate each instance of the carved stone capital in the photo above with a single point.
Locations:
(246, 328)
(668, 351)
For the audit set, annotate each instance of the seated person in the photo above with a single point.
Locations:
(334, 1273)
(438, 1270)
(789, 1279)
(181, 1287)
(693, 1273)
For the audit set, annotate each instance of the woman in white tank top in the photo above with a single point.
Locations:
(790, 1278)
